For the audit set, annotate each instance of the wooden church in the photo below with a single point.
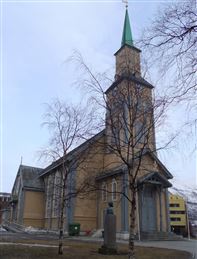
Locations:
(119, 159)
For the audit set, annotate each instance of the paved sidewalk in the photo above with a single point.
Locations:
(186, 245)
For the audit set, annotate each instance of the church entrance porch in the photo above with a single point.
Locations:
(153, 217)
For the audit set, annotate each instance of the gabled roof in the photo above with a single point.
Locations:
(154, 178)
(72, 153)
(120, 169)
(168, 174)
(110, 173)
(29, 177)
(129, 46)
(132, 78)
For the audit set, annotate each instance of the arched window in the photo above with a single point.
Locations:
(57, 194)
(114, 190)
(104, 192)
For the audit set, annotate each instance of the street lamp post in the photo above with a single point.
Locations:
(187, 218)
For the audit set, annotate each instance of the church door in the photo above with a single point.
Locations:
(148, 209)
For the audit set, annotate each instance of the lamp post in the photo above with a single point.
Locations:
(187, 218)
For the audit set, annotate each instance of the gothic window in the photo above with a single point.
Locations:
(125, 123)
(16, 191)
(114, 190)
(115, 135)
(114, 92)
(129, 101)
(107, 113)
(104, 192)
(49, 196)
(138, 86)
(140, 132)
(147, 106)
(139, 104)
(57, 195)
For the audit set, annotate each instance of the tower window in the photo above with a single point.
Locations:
(138, 86)
(140, 134)
(115, 135)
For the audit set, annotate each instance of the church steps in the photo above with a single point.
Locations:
(159, 236)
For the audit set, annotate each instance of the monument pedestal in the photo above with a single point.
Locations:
(109, 246)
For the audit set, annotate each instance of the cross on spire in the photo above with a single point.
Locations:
(126, 3)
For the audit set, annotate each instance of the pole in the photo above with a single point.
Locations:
(187, 216)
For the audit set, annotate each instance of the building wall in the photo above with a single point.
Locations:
(4, 203)
(128, 61)
(33, 214)
(85, 204)
(20, 206)
(52, 223)
(177, 211)
(88, 209)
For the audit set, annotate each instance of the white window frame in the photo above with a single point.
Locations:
(56, 195)
(114, 192)
(49, 197)
(104, 191)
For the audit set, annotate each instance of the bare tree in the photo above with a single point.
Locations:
(170, 46)
(68, 126)
(130, 126)
(132, 116)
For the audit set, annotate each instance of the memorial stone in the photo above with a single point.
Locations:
(109, 246)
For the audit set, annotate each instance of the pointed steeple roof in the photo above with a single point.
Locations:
(127, 35)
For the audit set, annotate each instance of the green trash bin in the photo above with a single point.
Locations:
(74, 229)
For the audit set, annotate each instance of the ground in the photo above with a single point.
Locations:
(41, 246)
(82, 250)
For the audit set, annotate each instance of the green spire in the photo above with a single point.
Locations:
(127, 35)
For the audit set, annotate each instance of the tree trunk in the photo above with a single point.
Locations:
(61, 227)
(60, 247)
(131, 254)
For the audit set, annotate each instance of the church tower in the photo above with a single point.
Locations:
(128, 56)
(130, 161)
(129, 99)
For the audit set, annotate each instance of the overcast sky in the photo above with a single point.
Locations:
(37, 38)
